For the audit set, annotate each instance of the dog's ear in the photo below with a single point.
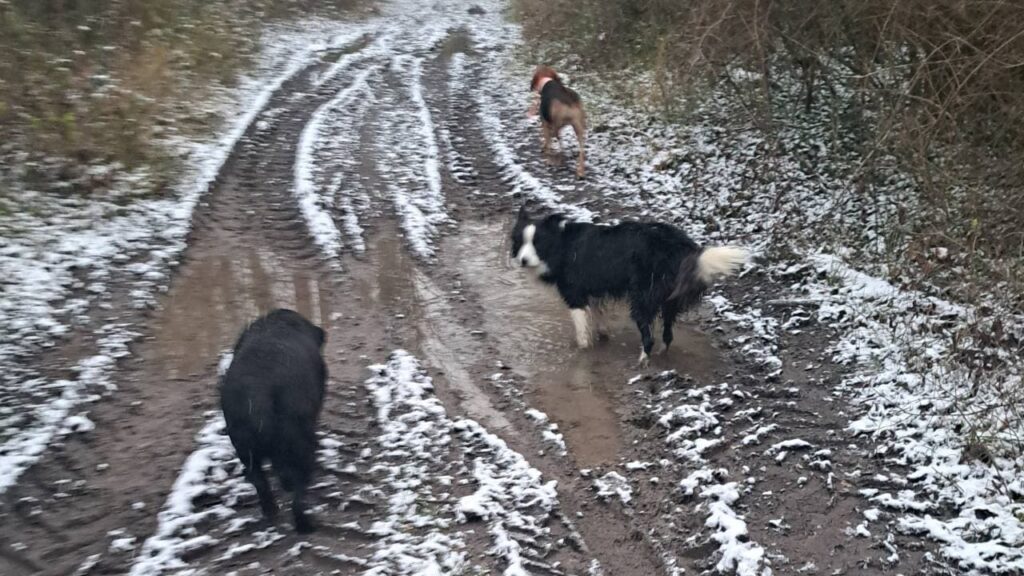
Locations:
(555, 222)
(523, 215)
(542, 71)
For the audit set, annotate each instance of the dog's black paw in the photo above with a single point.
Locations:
(304, 525)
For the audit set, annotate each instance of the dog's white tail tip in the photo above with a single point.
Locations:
(719, 261)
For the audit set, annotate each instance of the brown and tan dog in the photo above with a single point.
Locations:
(559, 107)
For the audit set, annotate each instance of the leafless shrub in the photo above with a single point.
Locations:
(939, 84)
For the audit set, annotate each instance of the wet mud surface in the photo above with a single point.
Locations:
(498, 344)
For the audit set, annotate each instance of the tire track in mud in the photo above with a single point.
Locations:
(496, 345)
(468, 322)
(808, 515)
(248, 251)
(815, 516)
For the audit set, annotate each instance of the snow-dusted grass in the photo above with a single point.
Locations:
(931, 414)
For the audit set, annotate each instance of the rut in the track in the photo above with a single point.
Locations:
(464, 313)
(249, 251)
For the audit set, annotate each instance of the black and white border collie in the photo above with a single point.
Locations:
(656, 267)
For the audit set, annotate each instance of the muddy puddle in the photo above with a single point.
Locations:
(424, 321)
(578, 389)
(524, 320)
(215, 295)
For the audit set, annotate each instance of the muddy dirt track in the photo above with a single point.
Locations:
(497, 345)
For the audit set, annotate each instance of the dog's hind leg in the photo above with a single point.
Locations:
(545, 138)
(579, 127)
(295, 474)
(669, 311)
(598, 312)
(255, 475)
(643, 310)
(643, 319)
(646, 342)
(303, 522)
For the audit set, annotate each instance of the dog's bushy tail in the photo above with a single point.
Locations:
(698, 270)
(720, 261)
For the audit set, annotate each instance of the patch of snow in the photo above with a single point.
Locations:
(613, 484)
(213, 461)
(24, 445)
(738, 554)
(416, 436)
(318, 219)
(77, 424)
(755, 437)
(793, 444)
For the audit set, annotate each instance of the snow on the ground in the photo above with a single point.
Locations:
(61, 255)
(737, 553)
(460, 168)
(416, 441)
(931, 389)
(513, 393)
(413, 158)
(22, 445)
(614, 485)
(549, 430)
(318, 216)
(506, 482)
(213, 473)
(951, 426)
(211, 470)
(759, 333)
(693, 424)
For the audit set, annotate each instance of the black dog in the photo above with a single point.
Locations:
(271, 397)
(657, 267)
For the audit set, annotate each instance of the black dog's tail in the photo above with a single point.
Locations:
(698, 271)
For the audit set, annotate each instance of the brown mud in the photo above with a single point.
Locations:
(468, 315)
